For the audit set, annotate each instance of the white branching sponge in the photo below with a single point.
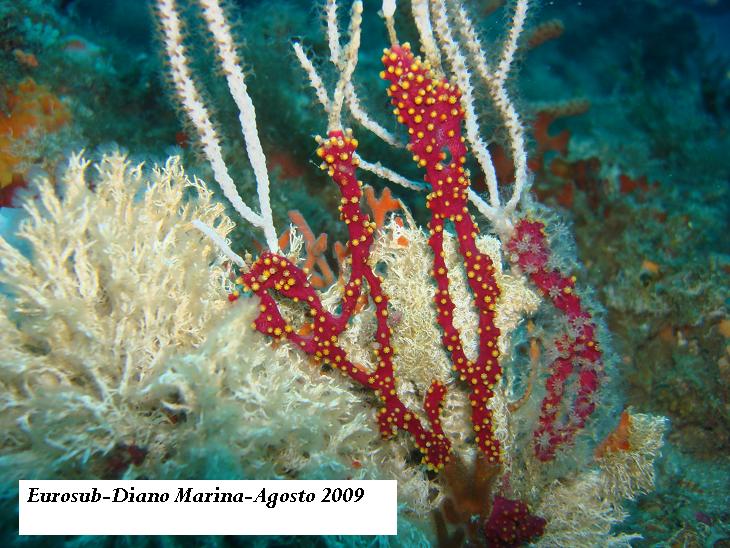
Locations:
(114, 280)
(122, 355)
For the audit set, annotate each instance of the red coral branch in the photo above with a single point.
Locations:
(274, 274)
(511, 524)
(433, 114)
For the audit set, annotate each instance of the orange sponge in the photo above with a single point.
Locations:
(30, 111)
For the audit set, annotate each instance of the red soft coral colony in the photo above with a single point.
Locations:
(433, 114)
(437, 110)
(274, 272)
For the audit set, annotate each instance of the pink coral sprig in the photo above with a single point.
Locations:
(578, 353)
